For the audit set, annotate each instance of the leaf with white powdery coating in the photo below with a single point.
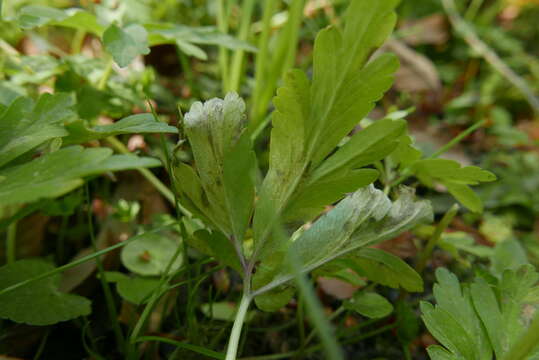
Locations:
(360, 220)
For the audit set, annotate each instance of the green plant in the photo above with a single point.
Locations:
(491, 316)
(316, 212)
(309, 169)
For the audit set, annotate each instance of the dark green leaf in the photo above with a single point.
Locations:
(24, 126)
(239, 171)
(40, 303)
(135, 124)
(59, 172)
(387, 269)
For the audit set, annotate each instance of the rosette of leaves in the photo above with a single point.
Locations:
(309, 167)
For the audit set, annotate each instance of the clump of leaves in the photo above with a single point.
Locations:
(308, 169)
(484, 318)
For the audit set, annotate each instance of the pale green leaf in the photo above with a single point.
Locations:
(150, 254)
(369, 304)
(135, 124)
(214, 131)
(39, 303)
(39, 15)
(457, 302)
(187, 38)
(126, 44)
(25, 125)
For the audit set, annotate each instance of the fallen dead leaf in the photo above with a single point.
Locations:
(432, 30)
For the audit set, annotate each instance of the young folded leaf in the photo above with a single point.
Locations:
(220, 188)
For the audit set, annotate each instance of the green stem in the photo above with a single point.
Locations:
(111, 306)
(526, 343)
(77, 41)
(433, 241)
(183, 345)
(235, 335)
(162, 188)
(457, 139)
(11, 247)
(106, 75)
(157, 293)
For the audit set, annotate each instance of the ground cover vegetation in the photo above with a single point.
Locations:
(302, 179)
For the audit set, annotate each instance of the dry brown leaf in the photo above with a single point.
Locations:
(431, 30)
(417, 73)
(337, 288)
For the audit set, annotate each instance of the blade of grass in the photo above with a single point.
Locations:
(111, 306)
(262, 57)
(223, 15)
(184, 345)
(239, 55)
(315, 311)
(11, 242)
(72, 264)
(433, 241)
(282, 60)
